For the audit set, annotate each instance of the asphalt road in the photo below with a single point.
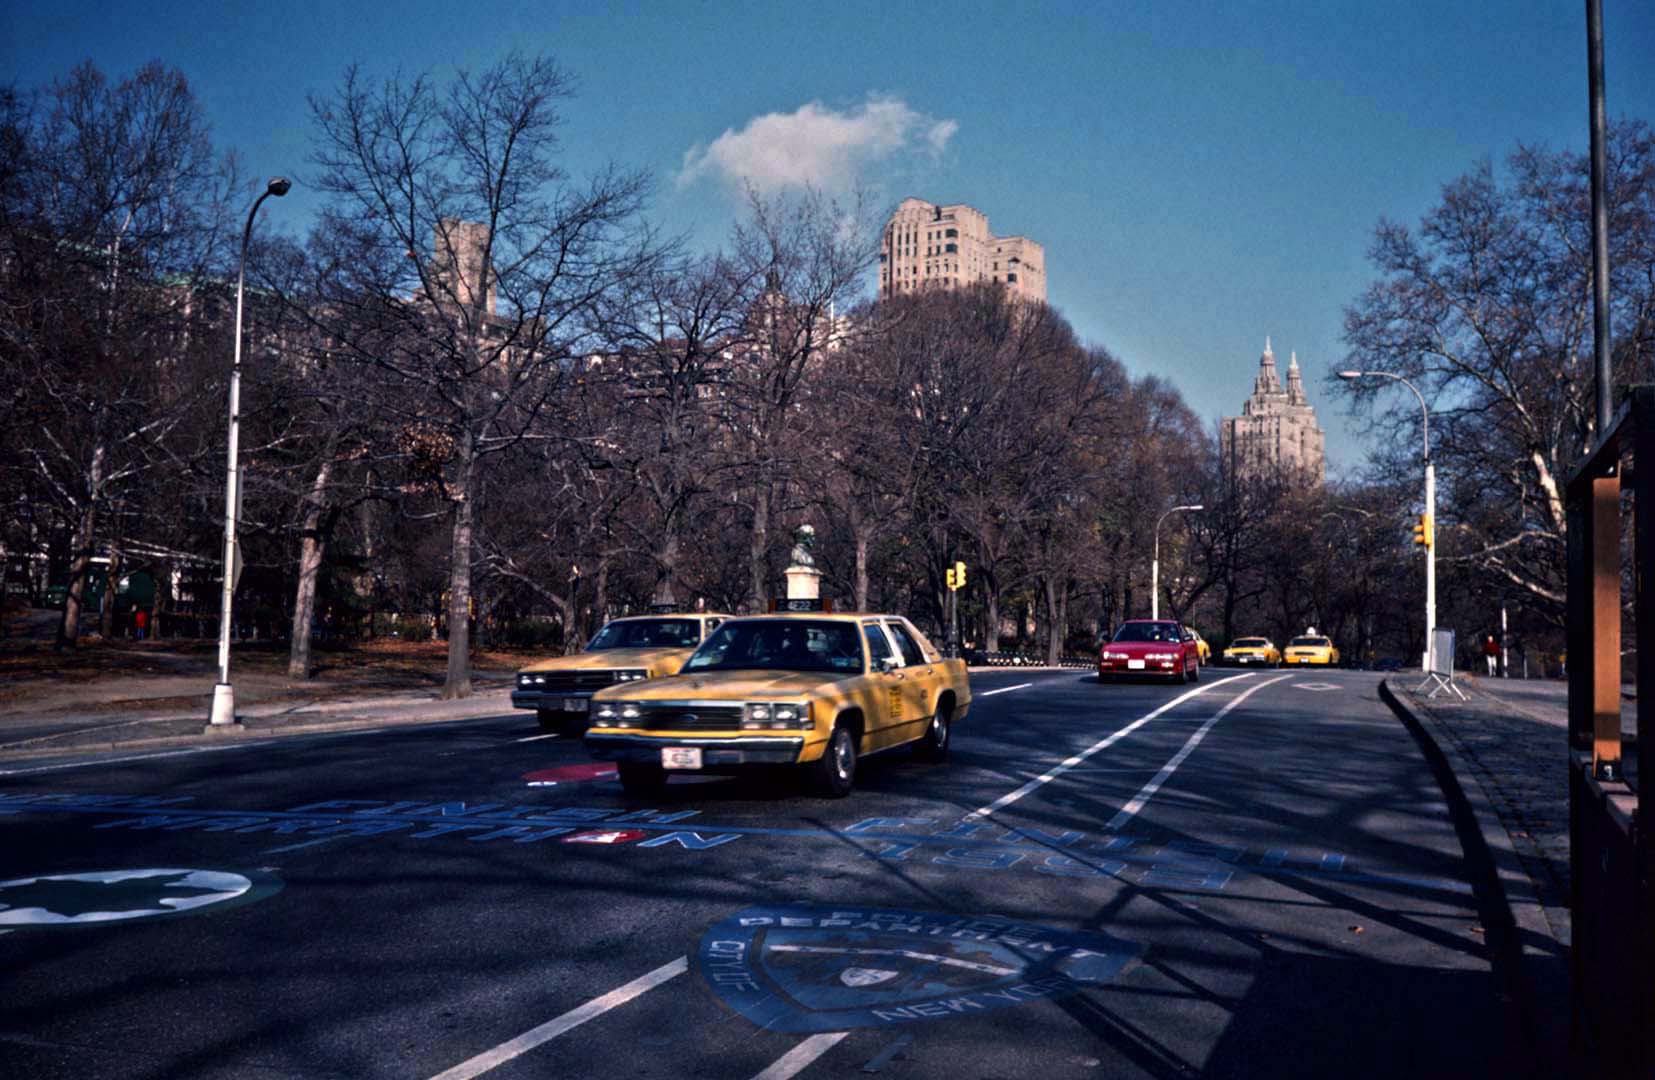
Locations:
(1251, 877)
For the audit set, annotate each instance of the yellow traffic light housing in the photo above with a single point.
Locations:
(949, 575)
(1424, 531)
(959, 575)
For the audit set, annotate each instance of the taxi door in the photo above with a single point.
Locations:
(921, 681)
(891, 700)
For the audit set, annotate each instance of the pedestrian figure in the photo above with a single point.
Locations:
(140, 620)
(1491, 653)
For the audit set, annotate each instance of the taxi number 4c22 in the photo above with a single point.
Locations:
(681, 757)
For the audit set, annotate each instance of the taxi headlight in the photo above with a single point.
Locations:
(631, 674)
(775, 715)
(606, 715)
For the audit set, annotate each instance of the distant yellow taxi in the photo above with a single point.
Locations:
(1311, 649)
(815, 690)
(624, 651)
(1252, 652)
(1205, 650)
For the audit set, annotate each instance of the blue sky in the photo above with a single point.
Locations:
(1201, 174)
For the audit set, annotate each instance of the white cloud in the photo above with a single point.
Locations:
(816, 145)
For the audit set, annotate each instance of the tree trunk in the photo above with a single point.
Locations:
(68, 630)
(758, 547)
(106, 608)
(600, 600)
(861, 570)
(1054, 619)
(311, 550)
(668, 572)
(991, 640)
(457, 684)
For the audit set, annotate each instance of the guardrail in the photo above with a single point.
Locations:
(1611, 854)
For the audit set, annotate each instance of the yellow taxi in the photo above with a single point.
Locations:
(1203, 650)
(1252, 652)
(815, 690)
(624, 651)
(1311, 649)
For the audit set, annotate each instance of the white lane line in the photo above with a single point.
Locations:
(1140, 800)
(799, 1058)
(534, 738)
(551, 1029)
(1006, 800)
(1003, 690)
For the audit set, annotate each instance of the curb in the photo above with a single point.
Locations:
(473, 708)
(1529, 962)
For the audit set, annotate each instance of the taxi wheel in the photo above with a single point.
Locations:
(834, 773)
(1195, 672)
(933, 746)
(641, 778)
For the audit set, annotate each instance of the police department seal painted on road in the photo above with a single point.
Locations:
(800, 968)
(105, 896)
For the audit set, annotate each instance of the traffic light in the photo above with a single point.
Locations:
(956, 576)
(1424, 532)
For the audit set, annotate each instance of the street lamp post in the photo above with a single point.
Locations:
(224, 697)
(1430, 500)
(1155, 562)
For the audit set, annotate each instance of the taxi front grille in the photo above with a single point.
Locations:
(689, 717)
(567, 682)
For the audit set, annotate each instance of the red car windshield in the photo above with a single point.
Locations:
(1148, 631)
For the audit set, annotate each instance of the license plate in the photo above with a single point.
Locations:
(680, 757)
(1134, 665)
(574, 704)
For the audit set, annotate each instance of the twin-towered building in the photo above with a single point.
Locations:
(1276, 436)
(926, 246)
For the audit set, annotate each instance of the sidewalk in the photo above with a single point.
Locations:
(1502, 758)
(79, 732)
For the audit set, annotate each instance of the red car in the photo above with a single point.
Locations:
(1161, 648)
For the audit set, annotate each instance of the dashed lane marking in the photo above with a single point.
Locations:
(1140, 800)
(799, 1058)
(551, 1029)
(1004, 689)
(1102, 744)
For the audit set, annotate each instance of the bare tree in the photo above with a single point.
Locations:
(476, 339)
(113, 221)
(1487, 309)
(806, 258)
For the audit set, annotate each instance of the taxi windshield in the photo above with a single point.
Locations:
(1250, 643)
(781, 645)
(647, 634)
(1314, 642)
(1148, 631)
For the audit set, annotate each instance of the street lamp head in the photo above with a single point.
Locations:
(1351, 374)
(278, 186)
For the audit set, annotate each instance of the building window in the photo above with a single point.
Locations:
(952, 233)
(951, 248)
(1011, 277)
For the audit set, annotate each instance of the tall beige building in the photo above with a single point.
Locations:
(1276, 434)
(926, 246)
